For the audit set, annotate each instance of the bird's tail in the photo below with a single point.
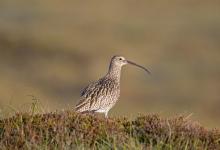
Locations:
(81, 106)
(78, 108)
(81, 109)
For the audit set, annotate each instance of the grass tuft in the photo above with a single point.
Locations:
(69, 130)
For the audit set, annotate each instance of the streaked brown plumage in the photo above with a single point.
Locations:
(101, 96)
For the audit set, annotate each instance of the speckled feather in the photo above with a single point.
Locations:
(101, 96)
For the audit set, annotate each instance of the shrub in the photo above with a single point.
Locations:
(70, 130)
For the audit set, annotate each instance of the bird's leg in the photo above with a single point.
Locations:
(106, 114)
(92, 113)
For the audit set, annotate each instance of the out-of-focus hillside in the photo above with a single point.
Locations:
(52, 49)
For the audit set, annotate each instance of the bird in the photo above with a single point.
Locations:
(100, 96)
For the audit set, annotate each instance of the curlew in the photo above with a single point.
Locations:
(101, 96)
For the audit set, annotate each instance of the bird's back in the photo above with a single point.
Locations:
(99, 96)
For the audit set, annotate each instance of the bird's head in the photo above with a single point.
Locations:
(121, 61)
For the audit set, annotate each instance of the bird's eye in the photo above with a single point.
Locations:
(120, 58)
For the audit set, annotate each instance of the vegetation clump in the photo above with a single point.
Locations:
(70, 130)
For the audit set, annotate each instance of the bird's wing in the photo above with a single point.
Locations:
(88, 97)
(89, 88)
(81, 104)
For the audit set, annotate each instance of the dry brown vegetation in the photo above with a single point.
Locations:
(69, 130)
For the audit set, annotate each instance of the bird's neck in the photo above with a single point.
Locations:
(114, 72)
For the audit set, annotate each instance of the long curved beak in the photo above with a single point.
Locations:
(132, 63)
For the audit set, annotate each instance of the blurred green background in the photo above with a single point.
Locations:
(52, 49)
